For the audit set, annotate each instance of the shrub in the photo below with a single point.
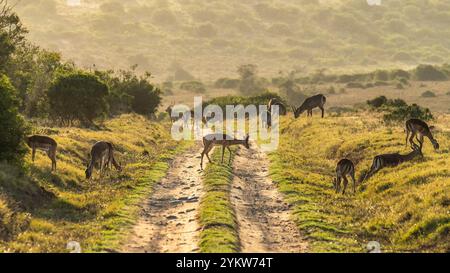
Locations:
(355, 85)
(146, 97)
(262, 99)
(331, 90)
(380, 83)
(77, 96)
(12, 126)
(428, 94)
(249, 83)
(227, 83)
(377, 102)
(193, 86)
(429, 73)
(400, 114)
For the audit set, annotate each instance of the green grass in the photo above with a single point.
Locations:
(404, 208)
(217, 218)
(43, 211)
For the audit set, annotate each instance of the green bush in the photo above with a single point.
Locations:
(12, 125)
(262, 99)
(193, 86)
(77, 96)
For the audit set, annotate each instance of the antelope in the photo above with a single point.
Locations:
(275, 101)
(43, 143)
(267, 118)
(392, 160)
(344, 167)
(211, 140)
(309, 104)
(104, 152)
(418, 128)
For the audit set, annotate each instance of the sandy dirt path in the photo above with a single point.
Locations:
(264, 219)
(168, 221)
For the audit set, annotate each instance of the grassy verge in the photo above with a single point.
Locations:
(44, 211)
(217, 218)
(404, 208)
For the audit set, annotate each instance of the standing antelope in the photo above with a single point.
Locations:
(392, 160)
(309, 104)
(419, 129)
(275, 101)
(211, 140)
(104, 152)
(44, 143)
(344, 167)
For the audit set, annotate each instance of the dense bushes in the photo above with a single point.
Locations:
(77, 96)
(193, 86)
(262, 99)
(227, 83)
(12, 126)
(398, 110)
(429, 73)
(249, 83)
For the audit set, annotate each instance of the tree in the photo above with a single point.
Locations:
(250, 84)
(6, 49)
(10, 24)
(12, 125)
(78, 96)
(31, 71)
(130, 92)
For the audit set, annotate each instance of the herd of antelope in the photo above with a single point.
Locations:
(103, 152)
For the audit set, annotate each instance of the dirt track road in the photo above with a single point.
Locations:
(265, 223)
(169, 219)
(168, 222)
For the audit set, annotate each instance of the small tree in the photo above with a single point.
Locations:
(78, 96)
(249, 84)
(12, 126)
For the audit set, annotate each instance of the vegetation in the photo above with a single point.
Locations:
(278, 34)
(262, 99)
(217, 219)
(77, 96)
(12, 126)
(193, 86)
(41, 211)
(404, 208)
(397, 110)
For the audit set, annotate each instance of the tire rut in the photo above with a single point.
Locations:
(264, 219)
(169, 219)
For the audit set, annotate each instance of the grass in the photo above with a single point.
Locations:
(217, 218)
(43, 211)
(405, 208)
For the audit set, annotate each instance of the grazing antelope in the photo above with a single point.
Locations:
(280, 104)
(419, 129)
(344, 167)
(267, 119)
(309, 104)
(104, 152)
(392, 160)
(211, 140)
(43, 143)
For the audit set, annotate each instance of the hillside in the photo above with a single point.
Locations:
(405, 208)
(211, 39)
(42, 212)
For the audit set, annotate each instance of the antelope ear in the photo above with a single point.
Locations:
(432, 128)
